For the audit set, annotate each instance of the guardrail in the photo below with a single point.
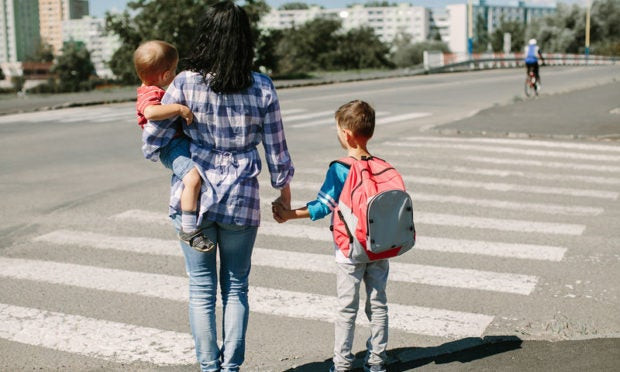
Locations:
(437, 61)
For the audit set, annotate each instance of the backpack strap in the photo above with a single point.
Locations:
(346, 161)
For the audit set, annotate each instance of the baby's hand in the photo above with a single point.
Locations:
(186, 114)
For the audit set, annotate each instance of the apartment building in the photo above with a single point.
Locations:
(19, 30)
(52, 13)
(91, 32)
(492, 14)
(387, 22)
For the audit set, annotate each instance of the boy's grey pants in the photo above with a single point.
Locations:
(349, 276)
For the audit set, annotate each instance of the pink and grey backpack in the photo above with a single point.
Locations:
(374, 216)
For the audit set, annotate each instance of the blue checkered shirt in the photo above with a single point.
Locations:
(225, 133)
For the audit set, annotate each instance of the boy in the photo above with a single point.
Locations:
(156, 63)
(355, 125)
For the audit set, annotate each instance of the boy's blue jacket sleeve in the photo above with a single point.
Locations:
(330, 191)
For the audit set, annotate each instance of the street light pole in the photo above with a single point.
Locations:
(470, 28)
(588, 29)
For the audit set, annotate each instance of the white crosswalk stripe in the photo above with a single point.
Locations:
(406, 154)
(525, 251)
(441, 186)
(526, 143)
(413, 319)
(507, 150)
(409, 273)
(95, 338)
(550, 208)
(503, 173)
(327, 118)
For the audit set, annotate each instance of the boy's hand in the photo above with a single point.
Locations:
(186, 114)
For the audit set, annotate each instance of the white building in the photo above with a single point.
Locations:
(387, 22)
(51, 15)
(492, 14)
(91, 31)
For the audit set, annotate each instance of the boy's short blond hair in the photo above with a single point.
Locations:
(153, 58)
(358, 117)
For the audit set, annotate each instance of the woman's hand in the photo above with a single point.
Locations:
(280, 212)
(285, 197)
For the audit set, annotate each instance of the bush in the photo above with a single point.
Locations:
(408, 55)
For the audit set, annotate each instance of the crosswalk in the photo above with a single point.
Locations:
(293, 119)
(86, 115)
(300, 118)
(502, 200)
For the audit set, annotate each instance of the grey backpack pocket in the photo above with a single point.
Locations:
(390, 222)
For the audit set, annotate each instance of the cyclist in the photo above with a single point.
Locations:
(532, 54)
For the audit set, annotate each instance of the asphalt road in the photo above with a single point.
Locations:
(516, 266)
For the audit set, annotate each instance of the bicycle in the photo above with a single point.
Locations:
(532, 85)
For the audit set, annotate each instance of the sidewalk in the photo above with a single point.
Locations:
(592, 113)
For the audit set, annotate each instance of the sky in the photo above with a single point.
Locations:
(99, 7)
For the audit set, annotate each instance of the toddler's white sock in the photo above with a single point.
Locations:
(188, 221)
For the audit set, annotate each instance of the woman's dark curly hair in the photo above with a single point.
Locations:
(224, 48)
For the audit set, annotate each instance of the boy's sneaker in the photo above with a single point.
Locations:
(374, 368)
(197, 241)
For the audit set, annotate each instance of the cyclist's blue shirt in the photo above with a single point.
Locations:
(532, 54)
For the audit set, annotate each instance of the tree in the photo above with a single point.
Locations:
(379, 4)
(294, 6)
(481, 35)
(74, 67)
(266, 50)
(434, 34)
(144, 21)
(407, 53)
(309, 47)
(516, 30)
(564, 32)
(44, 53)
(361, 48)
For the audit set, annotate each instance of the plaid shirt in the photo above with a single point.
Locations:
(225, 133)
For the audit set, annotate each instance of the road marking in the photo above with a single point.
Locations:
(292, 230)
(117, 342)
(524, 142)
(497, 249)
(505, 150)
(490, 186)
(523, 226)
(512, 187)
(518, 162)
(547, 208)
(292, 111)
(508, 173)
(411, 319)
(404, 117)
(546, 164)
(554, 209)
(402, 272)
(154, 246)
(287, 119)
(380, 119)
(408, 273)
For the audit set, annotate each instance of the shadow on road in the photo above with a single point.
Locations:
(405, 359)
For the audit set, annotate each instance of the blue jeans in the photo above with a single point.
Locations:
(176, 156)
(234, 245)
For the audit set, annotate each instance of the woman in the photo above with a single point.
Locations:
(235, 109)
